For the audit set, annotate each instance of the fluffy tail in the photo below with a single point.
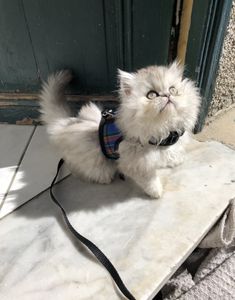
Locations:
(53, 104)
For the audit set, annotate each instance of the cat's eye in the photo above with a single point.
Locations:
(173, 91)
(152, 95)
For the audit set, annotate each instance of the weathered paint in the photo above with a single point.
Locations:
(25, 111)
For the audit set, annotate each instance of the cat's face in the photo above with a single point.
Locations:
(159, 95)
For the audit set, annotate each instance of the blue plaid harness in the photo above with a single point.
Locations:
(110, 136)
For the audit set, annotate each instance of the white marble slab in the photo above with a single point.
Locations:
(13, 140)
(35, 172)
(145, 239)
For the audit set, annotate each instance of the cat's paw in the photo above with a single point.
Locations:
(154, 189)
(175, 162)
(105, 180)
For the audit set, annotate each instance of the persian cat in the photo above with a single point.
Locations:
(155, 102)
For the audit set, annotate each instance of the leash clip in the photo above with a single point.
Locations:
(107, 113)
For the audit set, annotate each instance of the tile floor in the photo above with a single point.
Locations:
(40, 260)
(27, 165)
(13, 142)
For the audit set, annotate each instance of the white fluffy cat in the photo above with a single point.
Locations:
(154, 101)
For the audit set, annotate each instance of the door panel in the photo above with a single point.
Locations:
(151, 32)
(69, 34)
(92, 37)
(17, 63)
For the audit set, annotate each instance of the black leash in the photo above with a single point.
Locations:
(92, 247)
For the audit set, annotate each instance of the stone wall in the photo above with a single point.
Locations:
(224, 94)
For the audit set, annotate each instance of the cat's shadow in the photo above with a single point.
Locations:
(78, 196)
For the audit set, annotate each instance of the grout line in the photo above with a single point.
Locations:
(31, 40)
(34, 197)
(18, 166)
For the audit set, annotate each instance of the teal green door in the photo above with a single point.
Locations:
(94, 38)
(91, 37)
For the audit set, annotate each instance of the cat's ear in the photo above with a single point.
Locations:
(177, 68)
(125, 81)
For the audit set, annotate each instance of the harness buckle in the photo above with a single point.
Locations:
(107, 113)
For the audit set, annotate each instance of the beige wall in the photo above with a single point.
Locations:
(224, 94)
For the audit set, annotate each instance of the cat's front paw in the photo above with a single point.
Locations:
(154, 189)
(175, 162)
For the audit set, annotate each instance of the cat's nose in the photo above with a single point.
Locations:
(167, 95)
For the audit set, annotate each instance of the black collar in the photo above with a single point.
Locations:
(170, 140)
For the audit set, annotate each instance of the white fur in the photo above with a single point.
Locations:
(139, 119)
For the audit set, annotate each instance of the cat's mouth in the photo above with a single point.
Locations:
(168, 103)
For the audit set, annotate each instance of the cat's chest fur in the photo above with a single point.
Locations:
(150, 156)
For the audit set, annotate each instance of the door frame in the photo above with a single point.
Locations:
(203, 53)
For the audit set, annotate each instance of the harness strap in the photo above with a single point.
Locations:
(91, 246)
(110, 136)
